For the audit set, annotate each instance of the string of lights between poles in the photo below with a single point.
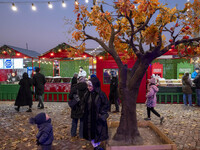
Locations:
(33, 6)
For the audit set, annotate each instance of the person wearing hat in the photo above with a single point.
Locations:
(45, 135)
(151, 100)
(195, 73)
(82, 72)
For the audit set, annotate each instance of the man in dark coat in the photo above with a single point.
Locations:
(39, 81)
(24, 96)
(95, 127)
(113, 96)
(197, 84)
(77, 110)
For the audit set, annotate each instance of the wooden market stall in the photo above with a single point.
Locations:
(59, 65)
(13, 63)
(170, 88)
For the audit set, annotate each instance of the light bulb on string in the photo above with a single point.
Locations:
(86, 1)
(14, 8)
(76, 2)
(63, 4)
(33, 7)
(50, 5)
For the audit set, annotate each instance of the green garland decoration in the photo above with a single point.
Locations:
(61, 46)
(5, 50)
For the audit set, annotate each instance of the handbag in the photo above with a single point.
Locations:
(74, 101)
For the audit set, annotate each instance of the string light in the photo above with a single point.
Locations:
(34, 7)
(63, 4)
(14, 8)
(76, 2)
(50, 5)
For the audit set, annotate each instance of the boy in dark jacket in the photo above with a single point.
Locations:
(45, 134)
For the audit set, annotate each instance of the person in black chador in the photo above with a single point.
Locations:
(77, 111)
(39, 81)
(113, 96)
(95, 127)
(24, 96)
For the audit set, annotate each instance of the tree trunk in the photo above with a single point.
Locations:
(127, 131)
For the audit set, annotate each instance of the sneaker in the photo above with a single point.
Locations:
(161, 120)
(147, 119)
(29, 110)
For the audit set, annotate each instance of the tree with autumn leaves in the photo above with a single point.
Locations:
(139, 28)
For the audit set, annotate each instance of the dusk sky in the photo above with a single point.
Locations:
(45, 28)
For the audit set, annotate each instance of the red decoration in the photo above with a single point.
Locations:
(170, 40)
(186, 37)
(172, 46)
(157, 69)
(187, 27)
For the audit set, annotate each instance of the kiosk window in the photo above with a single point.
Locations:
(107, 74)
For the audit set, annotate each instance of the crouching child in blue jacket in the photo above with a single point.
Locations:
(45, 134)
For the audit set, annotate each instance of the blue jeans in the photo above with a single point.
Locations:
(74, 127)
(189, 99)
(198, 96)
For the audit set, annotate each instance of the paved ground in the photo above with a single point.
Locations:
(182, 125)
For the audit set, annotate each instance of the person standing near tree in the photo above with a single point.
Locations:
(95, 127)
(113, 96)
(39, 81)
(77, 110)
(24, 96)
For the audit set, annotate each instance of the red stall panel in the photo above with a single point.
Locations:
(109, 64)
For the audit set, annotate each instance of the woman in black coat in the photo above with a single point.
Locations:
(95, 127)
(24, 96)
